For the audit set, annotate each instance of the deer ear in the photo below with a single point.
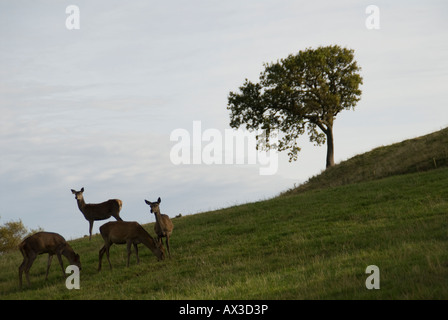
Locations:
(82, 189)
(147, 202)
(73, 191)
(159, 200)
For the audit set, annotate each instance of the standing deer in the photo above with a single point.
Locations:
(97, 211)
(164, 226)
(121, 232)
(45, 242)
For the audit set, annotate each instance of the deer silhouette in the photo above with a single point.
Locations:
(97, 211)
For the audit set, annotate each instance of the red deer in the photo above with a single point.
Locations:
(45, 242)
(164, 226)
(97, 211)
(124, 232)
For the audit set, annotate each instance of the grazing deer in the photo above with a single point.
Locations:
(121, 232)
(97, 211)
(45, 242)
(164, 226)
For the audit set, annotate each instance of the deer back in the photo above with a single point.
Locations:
(103, 210)
(121, 231)
(44, 242)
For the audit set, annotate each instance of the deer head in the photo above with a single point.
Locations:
(159, 245)
(154, 205)
(78, 194)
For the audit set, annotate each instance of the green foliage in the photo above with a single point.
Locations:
(11, 233)
(303, 92)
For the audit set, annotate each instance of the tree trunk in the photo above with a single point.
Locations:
(330, 147)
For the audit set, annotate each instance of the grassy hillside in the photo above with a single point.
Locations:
(311, 245)
(414, 155)
(383, 208)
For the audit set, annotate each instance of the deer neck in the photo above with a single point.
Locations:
(81, 204)
(158, 217)
(147, 240)
(68, 253)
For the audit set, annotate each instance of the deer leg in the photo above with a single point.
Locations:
(128, 247)
(167, 241)
(90, 229)
(101, 253)
(136, 252)
(21, 269)
(50, 257)
(62, 264)
(107, 254)
(28, 267)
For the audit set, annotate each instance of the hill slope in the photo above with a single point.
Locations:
(305, 245)
(314, 245)
(414, 155)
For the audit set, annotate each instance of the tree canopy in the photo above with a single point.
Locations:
(11, 234)
(301, 93)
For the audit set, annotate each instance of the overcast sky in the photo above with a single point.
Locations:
(94, 107)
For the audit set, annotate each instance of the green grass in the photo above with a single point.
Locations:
(307, 245)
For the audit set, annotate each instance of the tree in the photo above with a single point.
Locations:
(11, 234)
(303, 92)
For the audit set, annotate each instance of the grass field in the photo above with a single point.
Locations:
(309, 245)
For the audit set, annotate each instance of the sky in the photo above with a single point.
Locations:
(97, 106)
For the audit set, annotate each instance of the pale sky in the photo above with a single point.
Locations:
(94, 107)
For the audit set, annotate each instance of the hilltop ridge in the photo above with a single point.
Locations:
(419, 154)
